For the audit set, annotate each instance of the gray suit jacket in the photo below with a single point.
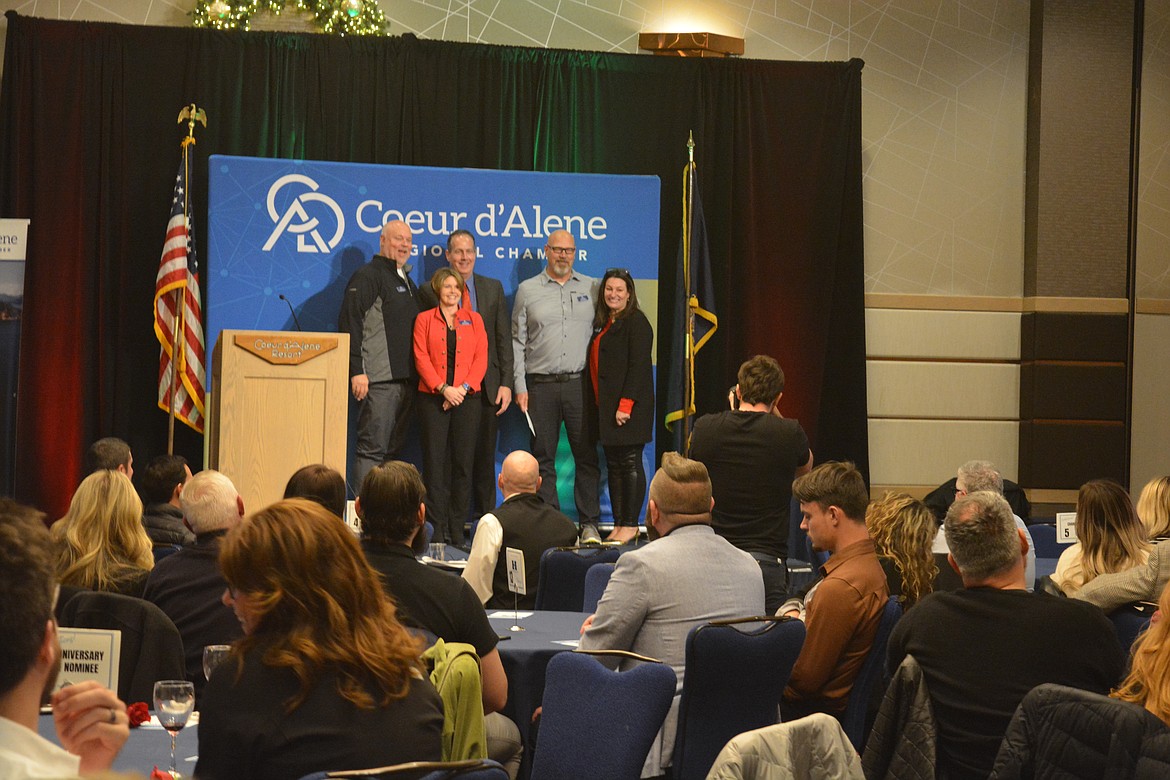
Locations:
(497, 320)
(1143, 583)
(659, 592)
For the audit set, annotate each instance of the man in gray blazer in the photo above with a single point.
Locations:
(1141, 583)
(686, 576)
(486, 296)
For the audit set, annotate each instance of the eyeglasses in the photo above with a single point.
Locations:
(623, 272)
(562, 250)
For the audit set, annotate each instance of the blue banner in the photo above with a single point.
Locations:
(299, 229)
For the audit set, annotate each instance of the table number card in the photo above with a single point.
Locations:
(1066, 527)
(89, 654)
(514, 560)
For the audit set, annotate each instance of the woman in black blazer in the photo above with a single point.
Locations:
(619, 396)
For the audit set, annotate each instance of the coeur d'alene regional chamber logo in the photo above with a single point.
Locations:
(296, 218)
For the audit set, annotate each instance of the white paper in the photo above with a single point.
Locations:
(1066, 527)
(514, 561)
(89, 654)
(507, 614)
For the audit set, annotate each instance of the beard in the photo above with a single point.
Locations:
(418, 545)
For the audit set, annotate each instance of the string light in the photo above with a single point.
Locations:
(338, 17)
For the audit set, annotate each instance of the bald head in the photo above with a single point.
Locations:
(560, 251)
(520, 473)
(396, 241)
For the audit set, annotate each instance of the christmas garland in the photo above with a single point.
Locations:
(340, 17)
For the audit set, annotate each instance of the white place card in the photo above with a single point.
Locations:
(514, 561)
(507, 614)
(1066, 527)
(89, 654)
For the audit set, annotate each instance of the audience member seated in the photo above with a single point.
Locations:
(843, 608)
(91, 721)
(940, 499)
(1141, 583)
(903, 530)
(523, 521)
(1148, 683)
(1110, 538)
(685, 576)
(320, 483)
(392, 509)
(109, 453)
(325, 676)
(976, 475)
(159, 485)
(981, 649)
(101, 544)
(188, 585)
(1153, 508)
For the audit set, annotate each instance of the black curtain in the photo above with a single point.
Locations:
(89, 147)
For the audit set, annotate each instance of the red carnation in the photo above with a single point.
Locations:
(138, 713)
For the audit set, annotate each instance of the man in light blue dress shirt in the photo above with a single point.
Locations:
(552, 321)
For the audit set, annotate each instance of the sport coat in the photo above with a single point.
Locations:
(1141, 583)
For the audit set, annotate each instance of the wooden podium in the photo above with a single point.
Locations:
(279, 401)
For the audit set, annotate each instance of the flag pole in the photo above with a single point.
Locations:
(688, 234)
(192, 114)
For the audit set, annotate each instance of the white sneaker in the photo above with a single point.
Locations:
(590, 534)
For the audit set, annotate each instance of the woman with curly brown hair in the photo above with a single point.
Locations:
(1110, 538)
(101, 543)
(903, 530)
(325, 676)
(1148, 682)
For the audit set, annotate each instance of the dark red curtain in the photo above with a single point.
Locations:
(89, 145)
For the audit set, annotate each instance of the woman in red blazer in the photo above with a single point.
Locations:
(619, 396)
(450, 352)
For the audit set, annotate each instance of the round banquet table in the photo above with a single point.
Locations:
(148, 746)
(525, 654)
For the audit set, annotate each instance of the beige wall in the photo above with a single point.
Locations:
(944, 130)
(1151, 359)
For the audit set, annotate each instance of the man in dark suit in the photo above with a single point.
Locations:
(486, 296)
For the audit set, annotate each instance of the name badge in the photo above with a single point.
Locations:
(464, 322)
(401, 288)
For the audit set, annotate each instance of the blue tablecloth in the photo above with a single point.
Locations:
(525, 655)
(147, 748)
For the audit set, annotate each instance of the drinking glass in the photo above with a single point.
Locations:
(173, 702)
(213, 656)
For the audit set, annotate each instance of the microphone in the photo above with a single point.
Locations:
(292, 312)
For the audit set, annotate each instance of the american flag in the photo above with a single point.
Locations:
(178, 270)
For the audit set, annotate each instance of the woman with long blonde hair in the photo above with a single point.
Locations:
(903, 530)
(101, 543)
(1110, 538)
(325, 675)
(1148, 682)
(1153, 508)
